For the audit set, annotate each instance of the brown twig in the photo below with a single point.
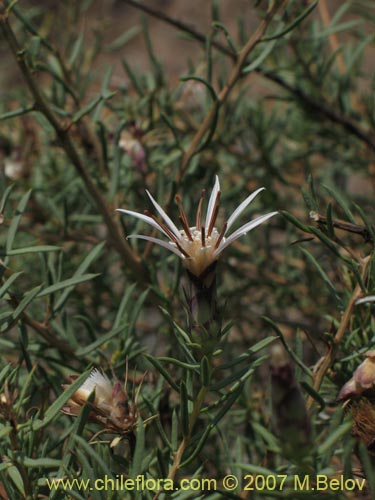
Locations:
(44, 330)
(234, 76)
(321, 107)
(130, 260)
(344, 225)
(177, 459)
(328, 359)
(326, 19)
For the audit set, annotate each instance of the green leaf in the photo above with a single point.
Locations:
(85, 350)
(268, 437)
(75, 430)
(4, 373)
(230, 400)
(9, 282)
(17, 112)
(122, 309)
(124, 38)
(5, 197)
(334, 436)
(322, 274)
(44, 462)
(162, 371)
(135, 79)
(16, 220)
(91, 452)
(262, 344)
(258, 61)
(292, 25)
(366, 461)
(139, 451)
(81, 269)
(239, 375)
(56, 287)
(280, 334)
(184, 410)
(203, 81)
(330, 228)
(174, 430)
(179, 363)
(91, 106)
(56, 406)
(35, 249)
(199, 446)
(16, 478)
(315, 395)
(27, 299)
(324, 239)
(77, 49)
(369, 227)
(290, 218)
(205, 372)
(340, 200)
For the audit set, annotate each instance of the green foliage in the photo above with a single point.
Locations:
(290, 108)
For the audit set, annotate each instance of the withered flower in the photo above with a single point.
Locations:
(110, 406)
(131, 142)
(363, 378)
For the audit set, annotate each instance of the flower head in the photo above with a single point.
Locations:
(363, 378)
(200, 245)
(110, 406)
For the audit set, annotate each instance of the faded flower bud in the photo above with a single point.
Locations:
(363, 378)
(110, 406)
(130, 142)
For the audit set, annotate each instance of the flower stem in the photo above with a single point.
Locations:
(177, 459)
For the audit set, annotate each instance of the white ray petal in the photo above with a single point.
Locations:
(242, 207)
(165, 217)
(211, 202)
(162, 243)
(98, 381)
(363, 300)
(143, 217)
(243, 230)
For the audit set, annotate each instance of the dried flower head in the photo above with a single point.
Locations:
(7, 403)
(201, 245)
(363, 413)
(131, 142)
(363, 378)
(110, 406)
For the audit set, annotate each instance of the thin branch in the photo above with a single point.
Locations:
(320, 107)
(328, 359)
(345, 226)
(324, 109)
(130, 260)
(197, 35)
(44, 330)
(234, 76)
(326, 19)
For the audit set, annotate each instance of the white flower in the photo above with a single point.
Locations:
(102, 385)
(200, 245)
